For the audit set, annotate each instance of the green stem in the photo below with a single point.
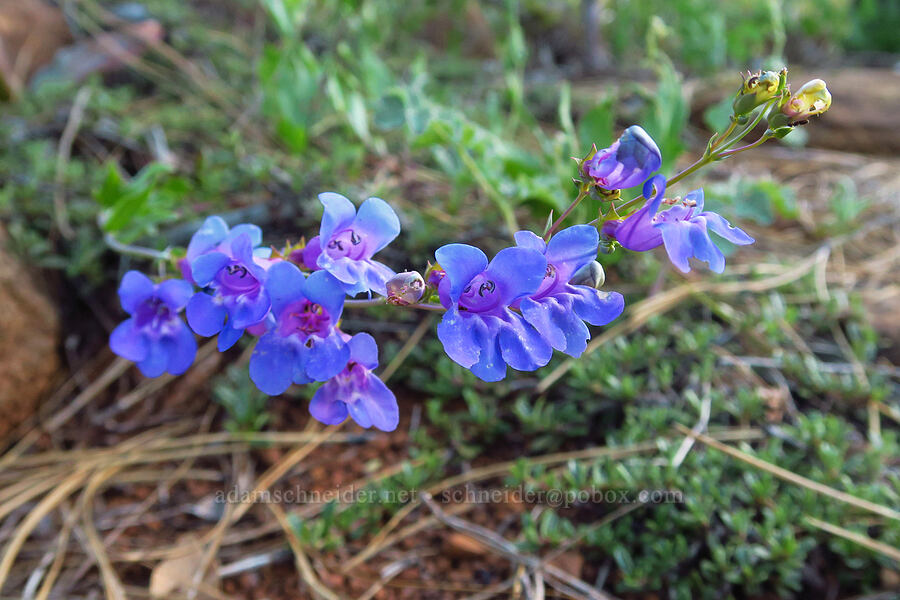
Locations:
(383, 302)
(582, 194)
(758, 142)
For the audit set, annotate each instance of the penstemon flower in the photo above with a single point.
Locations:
(682, 229)
(303, 343)
(479, 331)
(357, 391)
(559, 309)
(154, 337)
(238, 300)
(348, 239)
(628, 162)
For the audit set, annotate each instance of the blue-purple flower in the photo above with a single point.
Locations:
(302, 343)
(479, 331)
(627, 163)
(357, 391)
(348, 239)
(557, 308)
(683, 229)
(154, 337)
(234, 274)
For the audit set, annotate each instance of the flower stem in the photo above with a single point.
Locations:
(123, 248)
(758, 142)
(383, 302)
(582, 194)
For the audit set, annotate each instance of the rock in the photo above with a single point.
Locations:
(29, 338)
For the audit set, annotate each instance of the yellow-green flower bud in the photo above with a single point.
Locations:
(811, 99)
(757, 89)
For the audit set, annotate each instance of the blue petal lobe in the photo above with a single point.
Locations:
(182, 349)
(175, 293)
(327, 357)
(134, 289)
(156, 361)
(228, 337)
(210, 235)
(725, 229)
(339, 213)
(676, 237)
(364, 350)
(703, 247)
(521, 346)
(204, 268)
(323, 289)
(326, 407)
(596, 307)
(378, 222)
(127, 341)
(461, 262)
(379, 403)
(529, 239)
(458, 334)
(272, 363)
(516, 272)
(205, 316)
(284, 283)
(572, 248)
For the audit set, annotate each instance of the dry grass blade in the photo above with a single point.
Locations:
(41, 510)
(862, 540)
(792, 477)
(303, 567)
(111, 584)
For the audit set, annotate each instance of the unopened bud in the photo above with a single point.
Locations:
(591, 275)
(405, 288)
(757, 89)
(811, 99)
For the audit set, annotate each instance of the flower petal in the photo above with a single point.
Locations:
(571, 249)
(339, 213)
(134, 289)
(376, 275)
(272, 364)
(311, 252)
(704, 249)
(539, 314)
(516, 272)
(228, 337)
(326, 357)
(205, 316)
(637, 232)
(722, 227)
(521, 346)
(205, 268)
(253, 232)
(461, 262)
(175, 293)
(676, 237)
(326, 407)
(284, 284)
(326, 291)
(247, 309)
(378, 223)
(182, 349)
(458, 333)
(596, 307)
(210, 235)
(127, 341)
(364, 350)
(380, 404)
(156, 360)
(490, 365)
(529, 239)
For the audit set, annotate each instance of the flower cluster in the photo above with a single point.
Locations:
(532, 298)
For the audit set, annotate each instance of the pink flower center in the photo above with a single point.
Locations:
(480, 295)
(304, 318)
(237, 279)
(346, 243)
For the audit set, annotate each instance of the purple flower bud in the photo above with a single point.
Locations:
(154, 337)
(627, 163)
(405, 288)
(590, 275)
